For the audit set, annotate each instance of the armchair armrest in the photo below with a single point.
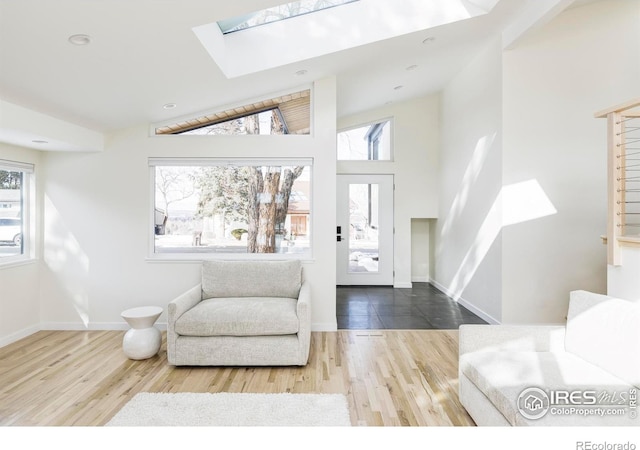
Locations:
(176, 308)
(304, 302)
(491, 338)
(184, 302)
(303, 310)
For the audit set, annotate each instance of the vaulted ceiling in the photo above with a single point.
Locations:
(144, 54)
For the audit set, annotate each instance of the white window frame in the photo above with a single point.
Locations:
(200, 256)
(27, 210)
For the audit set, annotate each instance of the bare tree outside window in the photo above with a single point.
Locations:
(234, 208)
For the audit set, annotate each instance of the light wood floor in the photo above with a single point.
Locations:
(82, 378)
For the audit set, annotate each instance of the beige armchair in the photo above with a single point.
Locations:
(243, 313)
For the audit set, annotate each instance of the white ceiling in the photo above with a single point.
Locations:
(144, 54)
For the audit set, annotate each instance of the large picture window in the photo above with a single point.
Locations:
(231, 207)
(15, 181)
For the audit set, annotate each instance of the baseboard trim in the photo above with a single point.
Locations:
(402, 285)
(419, 279)
(474, 309)
(478, 312)
(324, 326)
(440, 287)
(14, 337)
(110, 326)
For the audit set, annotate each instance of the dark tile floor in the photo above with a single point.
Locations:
(423, 307)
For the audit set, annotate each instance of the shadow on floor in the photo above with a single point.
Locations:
(422, 307)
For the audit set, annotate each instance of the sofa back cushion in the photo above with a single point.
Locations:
(605, 331)
(251, 279)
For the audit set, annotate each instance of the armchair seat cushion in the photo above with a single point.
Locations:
(244, 316)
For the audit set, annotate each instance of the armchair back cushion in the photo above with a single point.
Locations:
(605, 331)
(251, 279)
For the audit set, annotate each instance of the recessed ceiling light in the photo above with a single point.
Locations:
(169, 105)
(412, 67)
(301, 72)
(428, 40)
(397, 88)
(80, 39)
(39, 141)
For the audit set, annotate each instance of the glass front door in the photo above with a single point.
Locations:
(364, 232)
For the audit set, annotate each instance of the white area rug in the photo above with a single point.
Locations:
(225, 409)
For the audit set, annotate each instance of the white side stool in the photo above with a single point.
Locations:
(143, 340)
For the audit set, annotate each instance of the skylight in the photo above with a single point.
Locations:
(323, 31)
(276, 13)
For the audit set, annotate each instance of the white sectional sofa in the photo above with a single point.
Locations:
(586, 373)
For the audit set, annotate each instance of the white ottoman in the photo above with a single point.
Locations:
(143, 340)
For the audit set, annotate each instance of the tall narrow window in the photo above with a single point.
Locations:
(15, 180)
(367, 143)
(231, 207)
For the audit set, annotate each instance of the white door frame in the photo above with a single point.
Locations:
(382, 271)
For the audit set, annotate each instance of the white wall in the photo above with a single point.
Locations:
(624, 281)
(19, 301)
(540, 97)
(414, 166)
(97, 210)
(467, 258)
(420, 250)
(553, 82)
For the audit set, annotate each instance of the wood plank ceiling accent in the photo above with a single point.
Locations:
(295, 109)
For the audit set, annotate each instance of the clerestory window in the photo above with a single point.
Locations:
(264, 123)
(371, 142)
(285, 114)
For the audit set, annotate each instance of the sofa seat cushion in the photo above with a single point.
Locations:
(246, 316)
(502, 376)
(591, 320)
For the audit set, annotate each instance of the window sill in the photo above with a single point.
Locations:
(198, 258)
(17, 263)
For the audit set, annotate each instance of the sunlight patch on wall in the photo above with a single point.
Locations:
(471, 174)
(516, 203)
(525, 201)
(66, 260)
